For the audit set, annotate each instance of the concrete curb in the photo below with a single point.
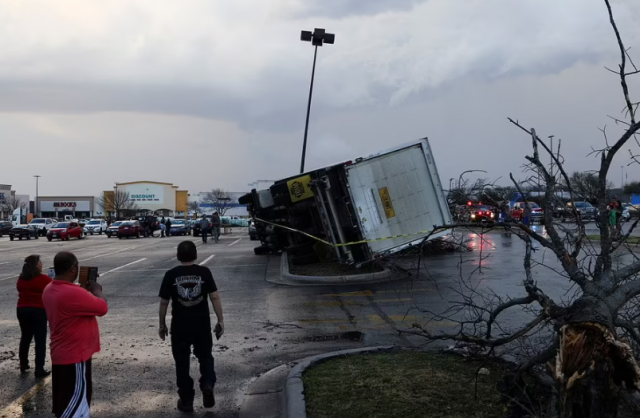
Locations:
(297, 280)
(295, 405)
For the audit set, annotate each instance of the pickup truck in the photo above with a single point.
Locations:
(43, 225)
(385, 202)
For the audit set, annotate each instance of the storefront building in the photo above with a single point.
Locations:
(149, 196)
(80, 207)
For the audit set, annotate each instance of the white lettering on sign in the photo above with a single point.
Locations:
(65, 204)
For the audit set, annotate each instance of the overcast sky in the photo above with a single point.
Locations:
(212, 93)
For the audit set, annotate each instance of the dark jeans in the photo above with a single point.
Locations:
(33, 323)
(204, 233)
(202, 341)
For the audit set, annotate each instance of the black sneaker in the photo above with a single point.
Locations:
(42, 373)
(208, 400)
(186, 406)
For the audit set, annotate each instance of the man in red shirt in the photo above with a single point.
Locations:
(75, 337)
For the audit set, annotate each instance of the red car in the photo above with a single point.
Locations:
(65, 231)
(537, 213)
(130, 229)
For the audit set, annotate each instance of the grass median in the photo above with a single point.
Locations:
(630, 240)
(404, 385)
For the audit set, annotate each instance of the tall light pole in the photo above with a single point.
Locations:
(317, 38)
(36, 203)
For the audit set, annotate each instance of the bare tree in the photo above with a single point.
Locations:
(194, 206)
(119, 202)
(12, 203)
(585, 185)
(220, 199)
(588, 338)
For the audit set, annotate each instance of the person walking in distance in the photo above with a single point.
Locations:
(31, 314)
(75, 337)
(190, 287)
(204, 228)
(162, 227)
(215, 226)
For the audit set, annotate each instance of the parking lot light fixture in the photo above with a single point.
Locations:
(317, 38)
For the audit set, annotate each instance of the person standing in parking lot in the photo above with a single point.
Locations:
(75, 337)
(32, 316)
(204, 228)
(215, 226)
(168, 227)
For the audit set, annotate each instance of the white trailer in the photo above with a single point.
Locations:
(370, 207)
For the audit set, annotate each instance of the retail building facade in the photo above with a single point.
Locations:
(81, 207)
(149, 196)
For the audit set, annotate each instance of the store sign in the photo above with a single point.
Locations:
(145, 193)
(65, 204)
(144, 198)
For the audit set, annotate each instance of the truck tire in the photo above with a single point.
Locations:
(11, 237)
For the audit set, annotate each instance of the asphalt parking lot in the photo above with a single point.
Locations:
(266, 324)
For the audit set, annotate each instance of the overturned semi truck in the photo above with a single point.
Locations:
(355, 211)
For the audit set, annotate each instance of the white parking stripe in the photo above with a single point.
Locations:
(6, 262)
(123, 266)
(235, 242)
(207, 260)
(104, 255)
(10, 277)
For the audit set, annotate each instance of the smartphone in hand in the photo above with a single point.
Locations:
(218, 331)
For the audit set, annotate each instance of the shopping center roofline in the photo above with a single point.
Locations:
(145, 181)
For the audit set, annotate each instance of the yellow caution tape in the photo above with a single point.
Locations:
(345, 244)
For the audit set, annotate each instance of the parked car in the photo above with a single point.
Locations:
(96, 226)
(631, 210)
(197, 227)
(5, 227)
(517, 212)
(23, 231)
(180, 227)
(129, 229)
(586, 211)
(65, 231)
(42, 224)
(112, 230)
(253, 232)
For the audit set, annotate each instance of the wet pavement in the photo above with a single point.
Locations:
(266, 324)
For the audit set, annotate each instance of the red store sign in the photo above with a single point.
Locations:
(65, 204)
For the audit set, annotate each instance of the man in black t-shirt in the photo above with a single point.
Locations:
(190, 287)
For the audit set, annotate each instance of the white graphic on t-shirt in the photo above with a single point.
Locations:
(189, 295)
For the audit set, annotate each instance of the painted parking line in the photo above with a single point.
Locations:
(15, 408)
(207, 259)
(104, 255)
(123, 266)
(8, 278)
(6, 262)
(235, 242)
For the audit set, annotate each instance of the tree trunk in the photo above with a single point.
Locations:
(590, 368)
